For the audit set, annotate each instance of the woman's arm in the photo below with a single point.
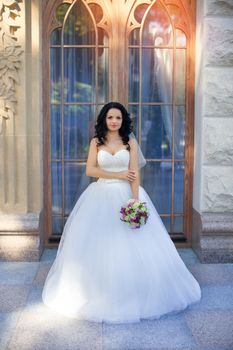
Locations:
(133, 165)
(94, 171)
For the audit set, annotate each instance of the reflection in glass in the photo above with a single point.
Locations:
(61, 11)
(55, 74)
(167, 222)
(102, 37)
(179, 132)
(140, 11)
(178, 224)
(157, 132)
(57, 224)
(180, 38)
(55, 38)
(55, 131)
(157, 67)
(79, 27)
(76, 182)
(134, 115)
(79, 74)
(180, 75)
(56, 175)
(78, 125)
(134, 78)
(134, 37)
(102, 74)
(158, 183)
(97, 11)
(178, 187)
(157, 29)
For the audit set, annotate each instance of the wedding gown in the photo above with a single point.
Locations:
(106, 271)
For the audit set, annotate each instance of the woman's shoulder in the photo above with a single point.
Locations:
(132, 142)
(94, 141)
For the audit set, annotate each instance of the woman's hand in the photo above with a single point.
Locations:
(129, 175)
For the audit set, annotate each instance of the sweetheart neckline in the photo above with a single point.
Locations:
(123, 149)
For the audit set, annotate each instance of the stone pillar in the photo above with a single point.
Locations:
(21, 135)
(213, 154)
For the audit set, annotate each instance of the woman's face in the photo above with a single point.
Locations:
(114, 119)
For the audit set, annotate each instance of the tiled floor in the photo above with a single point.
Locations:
(26, 324)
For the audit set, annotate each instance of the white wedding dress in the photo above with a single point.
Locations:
(106, 271)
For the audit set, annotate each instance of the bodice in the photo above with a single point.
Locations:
(117, 162)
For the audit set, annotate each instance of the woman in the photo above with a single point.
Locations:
(104, 270)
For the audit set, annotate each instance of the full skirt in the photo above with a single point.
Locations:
(106, 271)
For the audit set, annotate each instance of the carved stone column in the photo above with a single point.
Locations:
(213, 168)
(21, 130)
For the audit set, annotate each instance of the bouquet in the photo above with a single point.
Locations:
(135, 213)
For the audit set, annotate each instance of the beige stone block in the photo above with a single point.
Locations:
(14, 174)
(218, 92)
(217, 189)
(20, 247)
(219, 7)
(10, 223)
(35, 173)
(218, 42)
(218, 141)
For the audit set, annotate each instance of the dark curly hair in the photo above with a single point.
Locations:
(101, 126)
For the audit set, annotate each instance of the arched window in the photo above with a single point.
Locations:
(157, 82)
(141, 54)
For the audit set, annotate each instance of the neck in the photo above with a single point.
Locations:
(113, 135)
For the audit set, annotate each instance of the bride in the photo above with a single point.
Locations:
(104, 270)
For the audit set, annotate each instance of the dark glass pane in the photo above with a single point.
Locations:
(102, 37)
(103, 74)
(79, 28)
(157, 181)
(55, 131)
(180, 38)
(79, 74)
(167, 222)
(57, 226)
(179, 132)
(61, 12)
(78, 125)
(133, 75)
(178, 225)
(76, 182)
(157, 132)
(157, 29)
(55, 38)
(134, 115)
(178, 187)
(55, 74)
(157, 67)
(134, 37)
(180, 75)
(56, 188)
(96, 11)
(140, 11)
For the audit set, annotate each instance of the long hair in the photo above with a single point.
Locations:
(101, 126)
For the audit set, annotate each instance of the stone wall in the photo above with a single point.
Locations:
(21, 131)
(21, 138)
(213, 168)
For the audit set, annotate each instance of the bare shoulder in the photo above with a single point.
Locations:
(133, 143)
(94, 141)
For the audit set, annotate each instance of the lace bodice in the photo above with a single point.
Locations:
(117, 162)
